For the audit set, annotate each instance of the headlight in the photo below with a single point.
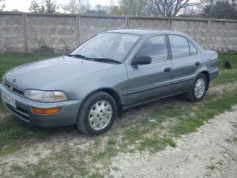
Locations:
(45, 96)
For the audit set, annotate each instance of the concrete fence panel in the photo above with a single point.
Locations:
(92, 25)
(196, 28)
(57, 32)
(12, 37)
(27, 32)
(223, 35)
(148, 23)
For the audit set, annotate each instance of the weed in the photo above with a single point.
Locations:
(140, 134)
(225, 77)
(231, 140)
(207, 111)
(169, 141)
(106, 154)
(220, 162)
(211, 167)
(112, 141)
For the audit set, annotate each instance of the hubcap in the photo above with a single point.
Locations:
(199, 88)
(100, 115)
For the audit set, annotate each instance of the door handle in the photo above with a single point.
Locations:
(197, 63)
(167, 69)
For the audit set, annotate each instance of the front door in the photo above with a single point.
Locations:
(151, 81)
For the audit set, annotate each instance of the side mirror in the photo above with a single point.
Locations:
(141, 60)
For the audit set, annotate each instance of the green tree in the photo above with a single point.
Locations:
(133, 7)
(221, 10)
(167, 8)
(77, 6)
(115, 10)
(46, 6)
(2, 5)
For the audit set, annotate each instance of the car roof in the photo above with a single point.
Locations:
(145, 32)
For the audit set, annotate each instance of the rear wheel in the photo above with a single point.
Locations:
(97, 114)
(198, 89)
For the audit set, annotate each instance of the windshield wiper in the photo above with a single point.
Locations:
(77, 56)
(107, 60)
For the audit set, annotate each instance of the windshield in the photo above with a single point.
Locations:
(114, 46)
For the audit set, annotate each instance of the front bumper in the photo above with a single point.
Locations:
(66, 116)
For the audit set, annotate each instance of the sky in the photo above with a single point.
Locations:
(23, 5)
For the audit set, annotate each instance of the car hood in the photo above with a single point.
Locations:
(50, 73)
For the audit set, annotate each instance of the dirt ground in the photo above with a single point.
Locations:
(209, 152)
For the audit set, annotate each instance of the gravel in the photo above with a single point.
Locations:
(209, 152)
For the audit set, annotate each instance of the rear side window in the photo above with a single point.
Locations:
(179, 46)
(154, 47)
(193, 49)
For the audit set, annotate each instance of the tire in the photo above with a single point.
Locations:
(97, 114)
(198, 90)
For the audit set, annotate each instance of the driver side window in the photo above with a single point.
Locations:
(155, 47)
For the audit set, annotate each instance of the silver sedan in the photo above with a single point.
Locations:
(112, 71)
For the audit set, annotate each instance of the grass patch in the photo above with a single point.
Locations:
(155, 144)
(11, 135)
(226, 76)
(170, 111)
(73, 163)
(112, 141)
(206, 112)
(235, 139)
(152, 133)
(105, 154)
(15, 134)
(224, 57)
(211, 167)
(232, 140)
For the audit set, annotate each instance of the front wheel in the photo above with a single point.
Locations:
(97, 114)
(198, 89)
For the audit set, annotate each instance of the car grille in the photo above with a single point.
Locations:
(13, 89)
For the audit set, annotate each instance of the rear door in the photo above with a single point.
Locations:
(151, 81)
(186, 62)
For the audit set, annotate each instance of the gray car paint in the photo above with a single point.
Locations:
(132, 85)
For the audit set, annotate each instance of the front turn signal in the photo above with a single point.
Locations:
(46, 111)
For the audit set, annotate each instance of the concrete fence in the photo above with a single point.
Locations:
(27, 32)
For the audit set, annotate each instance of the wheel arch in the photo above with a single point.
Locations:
(112, 93)
(207, 75)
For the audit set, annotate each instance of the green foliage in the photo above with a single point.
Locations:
(76, 6)
(226, 76)
(205, 112)
(228, 57)
(105, 154)
(133, 8)
(220, 10)
(15, 134)
(152, 132)
(46, 6)
(156, 143)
